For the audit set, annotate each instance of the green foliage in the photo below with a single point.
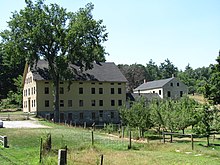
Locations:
(137, 116)
(134, 73)
(174, 115)
(212, 87)
(167, 69)
(59, 37)
(209, 121)
(171, 115)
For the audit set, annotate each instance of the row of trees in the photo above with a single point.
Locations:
(203, 80)
(170, 115)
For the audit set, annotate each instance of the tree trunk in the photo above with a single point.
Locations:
(56, 100)
(183, 131)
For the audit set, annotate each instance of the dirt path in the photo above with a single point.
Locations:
(23, 124)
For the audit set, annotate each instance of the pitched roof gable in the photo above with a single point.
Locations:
(103, 71)
(153, 84)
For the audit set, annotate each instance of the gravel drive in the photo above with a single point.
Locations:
(23, 124)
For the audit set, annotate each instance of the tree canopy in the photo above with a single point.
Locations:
(56, 35)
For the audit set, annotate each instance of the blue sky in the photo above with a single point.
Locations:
(184, 31)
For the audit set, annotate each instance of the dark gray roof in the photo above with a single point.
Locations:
(103, 71)
(137, 96)
(153, 84)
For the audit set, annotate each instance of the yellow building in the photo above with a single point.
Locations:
(92, 96)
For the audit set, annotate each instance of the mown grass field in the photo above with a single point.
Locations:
(24, 147)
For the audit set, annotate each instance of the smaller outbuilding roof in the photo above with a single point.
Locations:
(153, 84)
(137, 96)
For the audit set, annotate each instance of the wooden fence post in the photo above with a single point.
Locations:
(192, 141)
(129, 146)
(101, 163)
(92, 138)
(84, 125)
(62, 157)
(5, 142)
(40, 150)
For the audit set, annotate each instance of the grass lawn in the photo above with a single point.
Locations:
(24, 146)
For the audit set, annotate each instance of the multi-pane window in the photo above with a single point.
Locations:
(100, 90)
(70, 103)
(62, 117)
(33, 103)
(112, 102)
(61, 90)
(70, 116)
(119, 91)
(112, 115)
(81, 103)
(93, 103)
(112, 91)
(29, 93)
(61, 103)
(81, 115)
(119, 102)
(46, 90)
(47, 103)
(100, 102)
(34, 90)
(93, 90)
(80, 90)
(100, 114)
(93, 115)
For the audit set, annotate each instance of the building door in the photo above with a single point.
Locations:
(29, 104)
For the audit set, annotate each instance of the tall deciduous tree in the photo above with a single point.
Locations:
(59, 37)
(212, 88)
(152, 71)
(137, 116)
(208, 123)
(167, 69)
(135, 74)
